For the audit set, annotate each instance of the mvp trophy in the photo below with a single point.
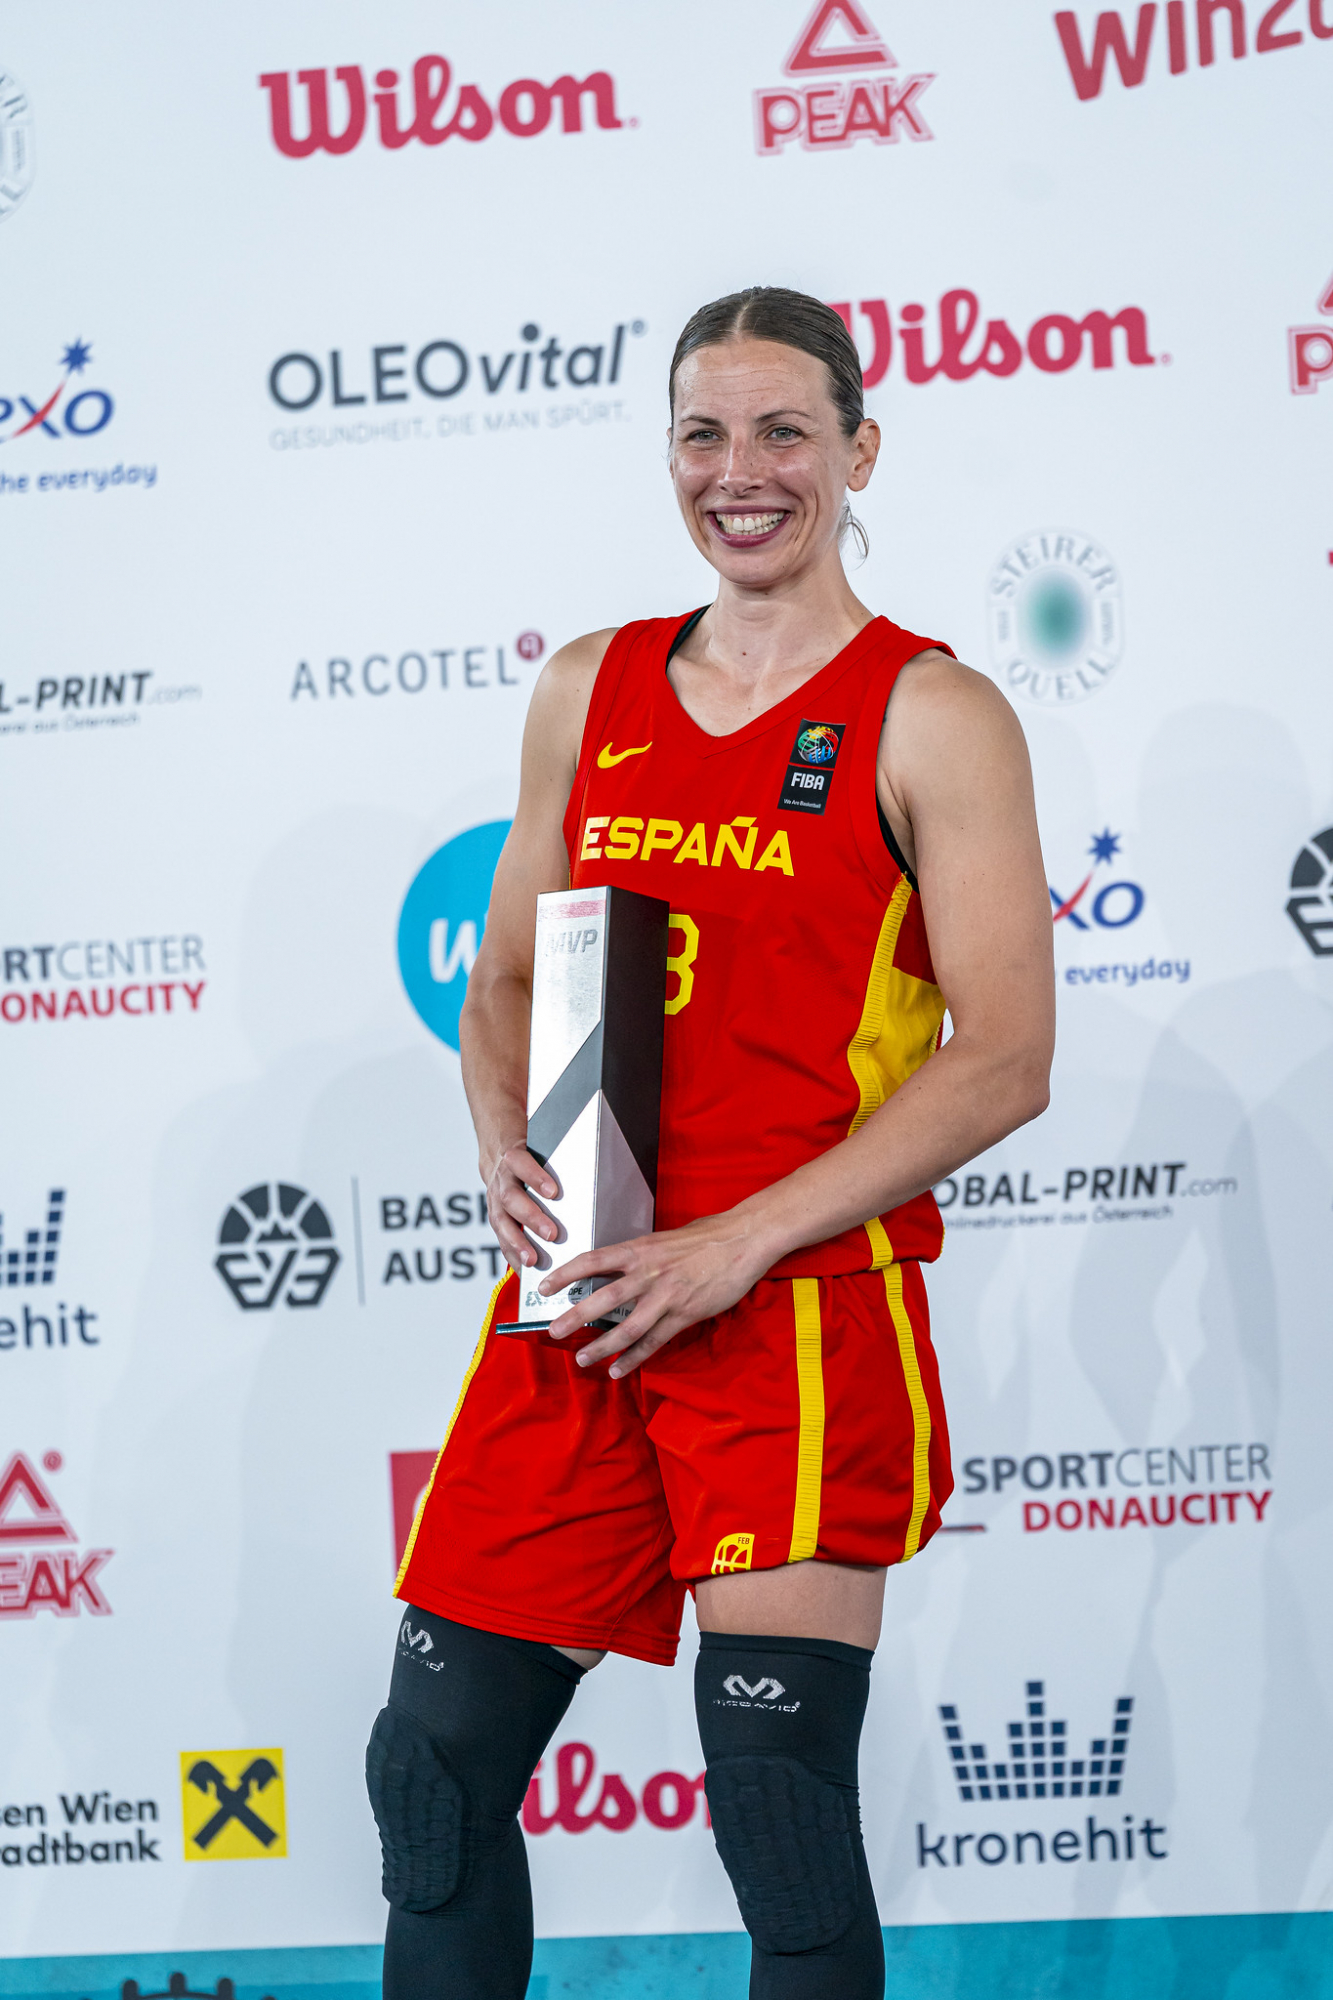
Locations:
(594, 1082)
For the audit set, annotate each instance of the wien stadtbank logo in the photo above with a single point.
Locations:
(322, 111)
(842, 88)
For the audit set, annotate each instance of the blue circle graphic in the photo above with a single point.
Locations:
(441, 924)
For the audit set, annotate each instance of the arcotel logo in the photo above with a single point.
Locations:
(428, 113)
(962, 345)
(841, 89)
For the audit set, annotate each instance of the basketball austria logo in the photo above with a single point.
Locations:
(1056, 619)
(441, 925)
(276, 1244)
(840, 90)
(1311, 903)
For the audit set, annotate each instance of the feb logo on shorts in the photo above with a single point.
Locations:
(810, 767)
(733, 1552)
(233, 1806)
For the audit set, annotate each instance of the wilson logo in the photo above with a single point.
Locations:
(963, 344)
(430, 113)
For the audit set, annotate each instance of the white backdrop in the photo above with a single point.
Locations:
(260, 663)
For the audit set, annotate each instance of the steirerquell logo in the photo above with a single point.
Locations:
(441, 924)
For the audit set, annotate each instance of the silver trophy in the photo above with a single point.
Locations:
(594, 1081)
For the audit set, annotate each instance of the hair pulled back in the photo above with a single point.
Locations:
(794, 319)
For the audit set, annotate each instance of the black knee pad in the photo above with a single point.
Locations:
(785, 1841)
(421, 1811)
(780, 1722)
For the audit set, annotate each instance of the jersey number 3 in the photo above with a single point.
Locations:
(682, 962)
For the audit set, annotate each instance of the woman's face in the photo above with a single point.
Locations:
(760, 465)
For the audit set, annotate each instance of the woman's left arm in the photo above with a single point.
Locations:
(954, 776)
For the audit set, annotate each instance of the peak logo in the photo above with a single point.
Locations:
(1056, 617)
(524, 109)
(277, 1243)
(839, 36)
(1112, 41)
(1310, 349)
(54, 414)
(38, 1570)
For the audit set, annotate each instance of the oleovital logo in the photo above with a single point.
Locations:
(441, 924)
(1056, 617)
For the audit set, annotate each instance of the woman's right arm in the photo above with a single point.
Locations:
(493, 1030)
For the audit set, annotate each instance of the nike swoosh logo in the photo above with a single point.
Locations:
(607, 758)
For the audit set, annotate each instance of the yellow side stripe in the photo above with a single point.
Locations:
(472, 1367)
(810, 1450)
(916, 1396)
(876, 1003)
(881, 1249)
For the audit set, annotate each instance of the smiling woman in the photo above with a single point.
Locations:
(840, 817)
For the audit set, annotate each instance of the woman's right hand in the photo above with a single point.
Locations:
(512, 1208)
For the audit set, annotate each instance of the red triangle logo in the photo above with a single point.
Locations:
(1326, 302)
(859, 45)
(27, 1511)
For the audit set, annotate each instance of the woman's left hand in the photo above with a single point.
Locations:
(673, 1279)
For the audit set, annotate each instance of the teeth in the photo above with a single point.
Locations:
(749, 524)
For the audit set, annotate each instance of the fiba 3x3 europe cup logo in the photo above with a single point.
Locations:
(1056, 617)
(276, 1244)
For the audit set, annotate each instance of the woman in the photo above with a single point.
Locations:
(841, 818)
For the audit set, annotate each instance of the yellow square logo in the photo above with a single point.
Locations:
(233, 1806)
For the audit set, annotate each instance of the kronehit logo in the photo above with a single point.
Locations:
(441, 925)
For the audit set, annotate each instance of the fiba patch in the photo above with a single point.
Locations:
(809, 776)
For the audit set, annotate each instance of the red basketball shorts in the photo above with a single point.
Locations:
(804, 1423)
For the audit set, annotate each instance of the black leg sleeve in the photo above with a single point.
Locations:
(447, 1767)
(780, 1722)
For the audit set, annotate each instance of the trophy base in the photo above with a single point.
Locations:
(539, 1332)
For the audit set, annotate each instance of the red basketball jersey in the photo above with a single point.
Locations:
(800, 992)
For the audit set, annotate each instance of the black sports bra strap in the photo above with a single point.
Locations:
(684, 634)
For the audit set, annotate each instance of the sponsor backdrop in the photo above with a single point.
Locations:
(331, 401)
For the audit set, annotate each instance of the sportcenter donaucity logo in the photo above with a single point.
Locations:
(276, 1247)
(1056, 617)
(841, 88)
(16, 160)
(42, 1566)
(97, 979)
(29, 1264)
(1119, 1487)
(1310, 905)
